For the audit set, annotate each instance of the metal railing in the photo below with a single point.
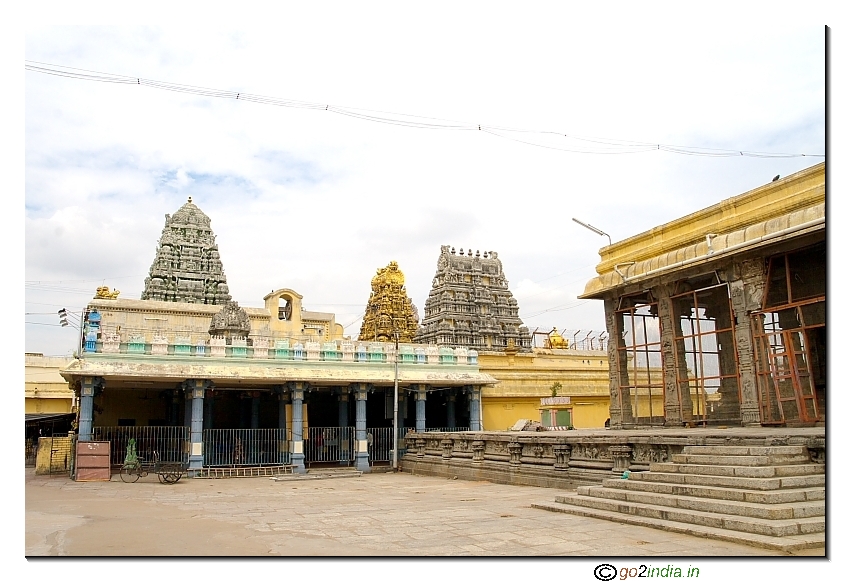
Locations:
(329, 445)
(245, 447)
(381, 444)
(170, 442)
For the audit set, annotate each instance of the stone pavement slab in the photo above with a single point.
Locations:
(382, 514)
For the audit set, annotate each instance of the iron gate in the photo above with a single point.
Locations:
(245, 447)
(329, 445)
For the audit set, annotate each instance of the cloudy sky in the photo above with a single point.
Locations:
(316, 199)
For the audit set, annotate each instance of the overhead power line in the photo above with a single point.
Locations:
(600, 146)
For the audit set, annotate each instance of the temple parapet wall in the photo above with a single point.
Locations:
(566, 459)
(291, 349)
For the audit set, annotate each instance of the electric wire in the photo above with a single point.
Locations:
(612, 146)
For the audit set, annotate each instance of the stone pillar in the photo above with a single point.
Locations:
(746, 295)
(450, 410)
(474, 392)
(91, 388)
(622, 456)
(343, 433)
(672, 400)
(196, 442)
(361, 447)
(421, 394)
(618, 368)
(297, 443)
(255, 410)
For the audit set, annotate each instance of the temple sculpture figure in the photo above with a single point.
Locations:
(470, 305)
(187, 267)
(231, 322)
(389, 310)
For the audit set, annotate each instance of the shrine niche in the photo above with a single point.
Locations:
(187, 267)
(389, 310)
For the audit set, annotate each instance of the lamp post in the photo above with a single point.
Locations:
(395, 407)
(593, 229)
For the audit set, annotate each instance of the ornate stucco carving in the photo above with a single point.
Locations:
(187, 267)
(389, 310)
(230, 322)
(470, 304)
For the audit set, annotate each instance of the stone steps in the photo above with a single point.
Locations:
(789, 543)
(720, 492)
(764, 496)
(723, 460)
(777, 483)
(783, 511)
(743, 471)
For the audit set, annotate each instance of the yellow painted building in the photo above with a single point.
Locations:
(45, 391)
(730, 302)
(525, 378)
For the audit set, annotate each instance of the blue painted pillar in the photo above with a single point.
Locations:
(421, 393)
(450, 410)
(195, 405)
(297, 443)
(474, 408)
(361, 447)
(89, 389)
(343, 432)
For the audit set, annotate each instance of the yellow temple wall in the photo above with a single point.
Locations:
(45, 391)
(524, 378)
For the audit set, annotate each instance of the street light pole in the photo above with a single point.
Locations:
(395, 408)
(593, 229)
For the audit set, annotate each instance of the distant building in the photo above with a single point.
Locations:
(470, 305)
(190, 374)
(730, 303)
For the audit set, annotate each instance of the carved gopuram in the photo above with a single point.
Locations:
(389, 310)
(236, 391)
(187, 267)
(470, 305)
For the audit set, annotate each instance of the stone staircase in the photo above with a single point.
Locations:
(769, 496)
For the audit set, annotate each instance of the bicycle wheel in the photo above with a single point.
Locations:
(129, 473)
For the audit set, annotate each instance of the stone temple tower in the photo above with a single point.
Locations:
(187, 267)
(470, 305)
(389, 310)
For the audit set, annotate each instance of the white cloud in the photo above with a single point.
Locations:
(315, 201)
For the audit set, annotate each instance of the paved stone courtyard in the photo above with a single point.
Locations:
(372, 515)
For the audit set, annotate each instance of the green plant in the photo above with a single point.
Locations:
(555, 387)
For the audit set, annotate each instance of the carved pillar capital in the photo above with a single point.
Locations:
(622, 456)
(515, 449)
(562, 456)
(478, 451)
(447, 445)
